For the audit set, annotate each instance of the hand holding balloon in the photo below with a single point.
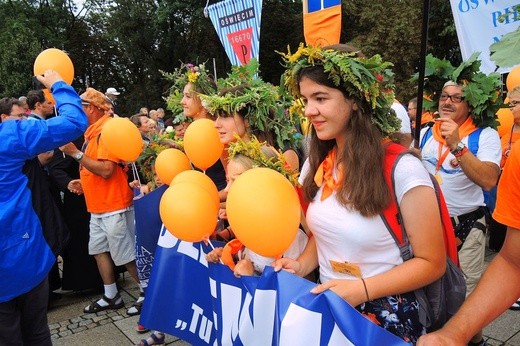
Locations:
(49, 77)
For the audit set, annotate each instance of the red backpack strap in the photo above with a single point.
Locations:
(391, 216)
(450, 242)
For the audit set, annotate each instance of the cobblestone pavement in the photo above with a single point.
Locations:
(87, 321)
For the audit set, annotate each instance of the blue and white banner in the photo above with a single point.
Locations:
(148, 226)
(478, 27)
(207, 305)
(237, 23)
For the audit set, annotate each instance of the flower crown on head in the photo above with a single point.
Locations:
(367, 80)
(480, 91)
(253, 150)
(257, 100)
(197, 75)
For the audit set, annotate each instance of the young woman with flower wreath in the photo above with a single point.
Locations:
(195, 81)
(348, 104)
(248, 106)
(248, 111)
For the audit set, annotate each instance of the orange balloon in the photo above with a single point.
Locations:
(188, 211)
(57, 60)
(122, 139)
(202, 143)
(199, 179)
(513, 78)
(169, 163)
(48, 96)
(506, 120)
(264, 211)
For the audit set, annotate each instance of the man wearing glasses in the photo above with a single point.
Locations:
(26, 258)
(465, 159)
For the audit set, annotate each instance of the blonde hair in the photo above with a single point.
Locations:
(247, 163)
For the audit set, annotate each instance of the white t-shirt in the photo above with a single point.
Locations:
(403, 115)
(294, 251)
(461, 194)
(344, 235)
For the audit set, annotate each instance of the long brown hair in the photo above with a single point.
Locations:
(363, 188)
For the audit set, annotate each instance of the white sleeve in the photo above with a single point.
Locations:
(489, 146)
(304, 171)
(409, 173)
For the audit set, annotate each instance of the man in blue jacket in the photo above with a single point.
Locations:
(25, 257)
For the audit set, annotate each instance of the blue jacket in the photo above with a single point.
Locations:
(25, 257)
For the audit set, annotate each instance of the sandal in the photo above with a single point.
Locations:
(153, 340)
(114, 303)
(136, 307)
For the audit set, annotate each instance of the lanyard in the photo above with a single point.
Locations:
(442, 157)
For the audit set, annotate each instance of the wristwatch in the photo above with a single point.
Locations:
(78, 156)
(460, 147)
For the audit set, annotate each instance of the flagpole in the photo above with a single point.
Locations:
(422, 64)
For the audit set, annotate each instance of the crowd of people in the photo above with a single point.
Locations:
(69, 196)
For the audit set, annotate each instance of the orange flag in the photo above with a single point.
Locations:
(322, 22)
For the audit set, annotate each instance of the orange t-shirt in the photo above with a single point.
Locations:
(103, 195)
(507, 140)
(507, 208)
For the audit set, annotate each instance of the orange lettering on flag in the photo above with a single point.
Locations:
(241, 43)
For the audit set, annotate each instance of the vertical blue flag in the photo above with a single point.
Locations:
(147, 228)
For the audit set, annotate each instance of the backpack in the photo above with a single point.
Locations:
(473, 139)
(442, 298)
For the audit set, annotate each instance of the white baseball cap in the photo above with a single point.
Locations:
(112, 91)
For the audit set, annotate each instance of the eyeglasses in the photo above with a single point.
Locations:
(83, 103)
(513, 103)
(453, 98)
(19, 116)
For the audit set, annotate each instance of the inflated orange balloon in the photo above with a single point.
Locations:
(48, 96)
(169, 163)
(506, 120)
(264, 211)
(57, 60)
(199, 179)
(202, 143)
(188, 212)
(122, 138)
(513, 78)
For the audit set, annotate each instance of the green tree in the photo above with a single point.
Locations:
(394, 32)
